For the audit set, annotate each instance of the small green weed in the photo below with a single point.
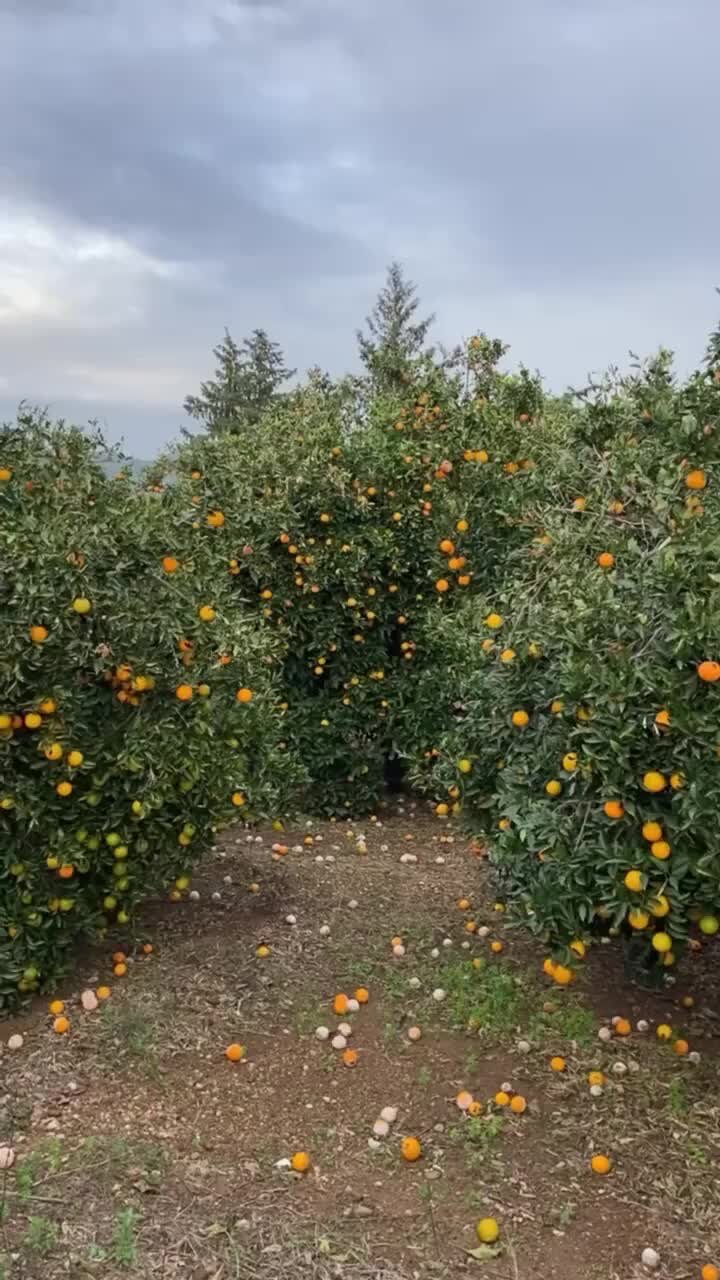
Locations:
(677, 1098)
(124, 1244)
(41, 1236)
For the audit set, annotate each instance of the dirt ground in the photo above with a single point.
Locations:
(140, 1150)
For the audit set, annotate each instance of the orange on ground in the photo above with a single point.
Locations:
(557, 1064)
(622, 1027)
(300, 1162)
(362, 995)
(600, 1164)
(234, 1052)
(61, 1026)
(518, 1104)
(410, 1149)
(350, 1057)
(56, 1007)
(120, 970)
(681, 1047)
(340, 1003)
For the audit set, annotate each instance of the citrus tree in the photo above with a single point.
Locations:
(588, 753)
(137, 707)
(355, 516)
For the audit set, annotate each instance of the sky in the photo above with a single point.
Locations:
(546, 171)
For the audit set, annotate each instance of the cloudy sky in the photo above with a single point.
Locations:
(547, 170)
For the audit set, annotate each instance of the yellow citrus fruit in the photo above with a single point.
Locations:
(654, 781)
(487, 1230)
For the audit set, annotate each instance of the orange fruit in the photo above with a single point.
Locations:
(206, 613)
(61, 1026)
(660, 849)
(475, 1108)
(215, 519)
(56, 1007)
(496, 947)
(663, 1031)
(606, 560)
(362, 995)
(596, 1078)
(350, 1057)
(64, 789)
(520, 719)
(652, 831)
(710, 1272)
(502, 1099)
(562, 975)
(234, 1052)
(695, 479)
(633, 881)
(38, 634)
(340, 1003)
(120, 969)
(410, 1149)
(442, 585)
(446, 546)
(709, 671)
(244, 695)
(184, 692)
(614, 809)
(557, 1064)
(518, 1104)
(102, 993)
(622, 1027)
(600, 1164)
(654, 781)
(300, 1162)
(170, 564)
(681, 1047)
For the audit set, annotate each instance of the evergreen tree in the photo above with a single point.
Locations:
(246, 383)
(393, 337)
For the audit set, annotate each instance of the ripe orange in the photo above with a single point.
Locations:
(61, 1026)
(681, 1047)
(710, 1272)
(56, 1007)
(442, 585)
(600, 1164)
(244, 695)
(654, 781)
(622, 1027)
(350, 1057)
(606, 560)
(120, 969)
(184, 692)
(38, 634)
(215, 519)
(64, 789)
(562, 975)
(652, 831)
(206, 613)
(633, 881)
(557, 1064)
(410, 1149)
(300, 1162)
(520, 719)
(170, 564)
(663, 1031)
(518, 1104)
(660, 849)
(614, 809)
(340, 1003)
(102, 993)
(446, 546)
(596, 1078)
(695, 479)
(496, 948)
(235, 1052)
(362, 995)
(709, 671)
(501, 1099)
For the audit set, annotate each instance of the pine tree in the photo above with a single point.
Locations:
(246, 384)
(393, 337)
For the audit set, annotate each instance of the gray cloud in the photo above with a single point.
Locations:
(545, 169)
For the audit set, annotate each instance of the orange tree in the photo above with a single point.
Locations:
(588, 752)
(136, 698)
(351, 522)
